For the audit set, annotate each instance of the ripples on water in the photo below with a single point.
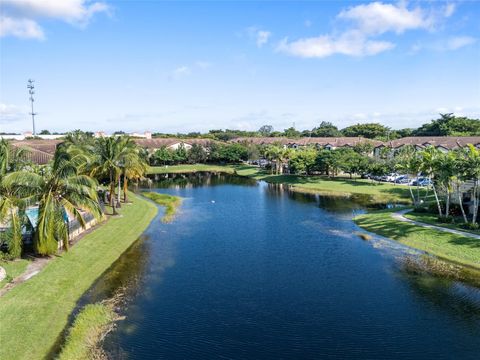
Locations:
(265, 273)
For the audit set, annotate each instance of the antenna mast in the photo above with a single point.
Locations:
(31, 91)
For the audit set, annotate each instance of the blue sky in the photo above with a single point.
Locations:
(192, 66)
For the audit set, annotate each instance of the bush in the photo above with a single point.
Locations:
(470, 226)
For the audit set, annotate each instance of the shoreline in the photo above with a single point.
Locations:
(454, 248)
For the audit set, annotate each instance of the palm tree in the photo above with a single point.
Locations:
(59, 191)
(133, 165)
(430, 161)
(11, 211)
(472, 172)
(107, 162)
(408, 162)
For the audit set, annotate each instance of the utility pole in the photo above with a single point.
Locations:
(31, 91)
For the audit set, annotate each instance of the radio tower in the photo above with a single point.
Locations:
(31, 91)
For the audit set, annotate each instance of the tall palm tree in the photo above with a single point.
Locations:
(133, 166)
(108, 155)
(430, 162)
(409, 163)
(472, 172)
(59, 191)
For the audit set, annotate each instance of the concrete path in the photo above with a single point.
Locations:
(32, 269)
(399, 216)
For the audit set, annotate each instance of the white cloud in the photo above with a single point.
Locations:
(458, 42)
(20, 17)
(203, 64)
(378, 18)
(365, 24)
(21, 28)
(260, 36)
(352, 43)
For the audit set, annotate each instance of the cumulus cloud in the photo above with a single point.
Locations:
(449, 44)
(260, 36)
(365, 23)
(20, 18)
(352, 43)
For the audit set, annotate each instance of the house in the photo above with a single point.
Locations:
(153, 145)
(443, 143)
(39, 151)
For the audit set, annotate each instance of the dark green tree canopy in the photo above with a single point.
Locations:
(369, 130)
(326, 129)
(450, 125)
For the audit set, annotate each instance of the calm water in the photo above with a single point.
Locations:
(250, 271)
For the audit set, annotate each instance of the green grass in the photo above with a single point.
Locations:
(170, 202)
(13, 269)
(456, 248)
(432, 219)
(379, 192)
(88, 329)
(34, 313)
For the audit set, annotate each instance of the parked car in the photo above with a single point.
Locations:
(425, 182)
(402, 179)
(391, 177)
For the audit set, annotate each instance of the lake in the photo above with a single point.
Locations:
(249, 270)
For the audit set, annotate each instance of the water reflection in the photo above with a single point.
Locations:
(198, 179)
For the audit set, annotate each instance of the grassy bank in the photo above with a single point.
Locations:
(87, 331)
(432, 219)
(456, 248)
(381, 192)
(13, 269)
(170, 202)
(34, 313)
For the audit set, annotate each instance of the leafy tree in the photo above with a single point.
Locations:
(181, 155)
(291, 132)
(363, 148)
(163, 156)
(265, 130)
(450, 125)
(302, 161)
(44, 132)
(326, 129)
(369, 131)
(197, 154)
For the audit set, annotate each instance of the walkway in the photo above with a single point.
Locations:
(399, 216)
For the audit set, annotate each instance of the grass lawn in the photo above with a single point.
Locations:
(170, 202)
(13, 269)
(432, 219)
(380, 192)
(456, 248)
(34, 313)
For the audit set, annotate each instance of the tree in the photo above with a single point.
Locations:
(326, 129)
(429, 163)
(471, 165)
(291, 132)
(449, 125)
(60, 191)
(409, 162)
(108, 155)
(197, 154)
(363, 148)
(369, 130)
(44, 132)
(302, 161)
(163, 156)
(180, 154)
(132, 164)
(265, 130)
